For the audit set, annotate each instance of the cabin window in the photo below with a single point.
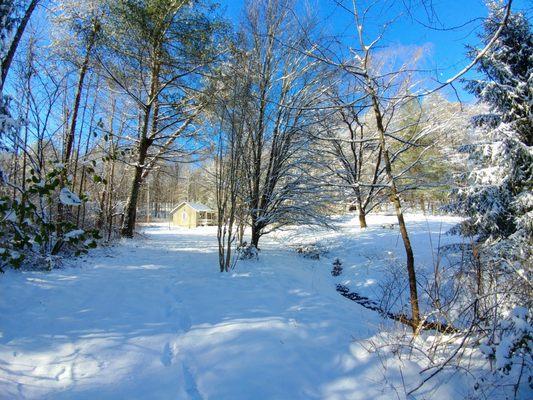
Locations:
(184, 216)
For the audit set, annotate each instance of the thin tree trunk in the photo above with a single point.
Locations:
(101, 218)
(14, 168)
(76, 157)
(26, 129)
(6, 62)
(241, 233)
(83, 209)
(422, 205)
(111, 187)
(77, 100)
(479, 281)
(229, 238)
(69, 139)
(395, 199)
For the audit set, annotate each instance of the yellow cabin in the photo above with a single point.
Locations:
(192, 215)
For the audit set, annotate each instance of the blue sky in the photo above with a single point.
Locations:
(445, 48)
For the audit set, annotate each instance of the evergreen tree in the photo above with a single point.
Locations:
(498, 199)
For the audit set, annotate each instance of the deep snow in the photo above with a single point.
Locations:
(152, 318)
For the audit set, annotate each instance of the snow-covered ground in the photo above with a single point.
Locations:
(373, 259)
(152, 318)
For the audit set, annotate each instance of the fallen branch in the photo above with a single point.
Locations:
(404, 319)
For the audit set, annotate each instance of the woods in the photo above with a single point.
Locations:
(114, 112)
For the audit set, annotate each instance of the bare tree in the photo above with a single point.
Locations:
(285, 86)
(383, 90)
(348, 150)
(228, 176)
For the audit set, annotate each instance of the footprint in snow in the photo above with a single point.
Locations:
(167, 356)
(175, 312)
(190, 384)
(178, 318)
(185, 322)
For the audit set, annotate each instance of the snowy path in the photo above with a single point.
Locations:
(153, 319)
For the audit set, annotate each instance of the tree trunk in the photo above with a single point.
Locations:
(24, 161)
(362, 219)
(130, 213)
(479, 282)
(6, 62)
(69, 141)
(410, 259)
(422, 205)
(256, 235)
(111, 187)
(395, 199)
(241, 233)
(76, 155)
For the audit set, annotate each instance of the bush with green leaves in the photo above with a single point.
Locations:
(31, 234)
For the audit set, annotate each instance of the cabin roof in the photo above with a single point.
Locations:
(194, 206)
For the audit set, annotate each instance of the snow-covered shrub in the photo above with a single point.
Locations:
(512, 343)
(337, 267)
(509, 353)
(247, 252)
(310, 251)
(30, 232)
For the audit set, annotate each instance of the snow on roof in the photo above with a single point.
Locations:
(199, 206)
(194, 206)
